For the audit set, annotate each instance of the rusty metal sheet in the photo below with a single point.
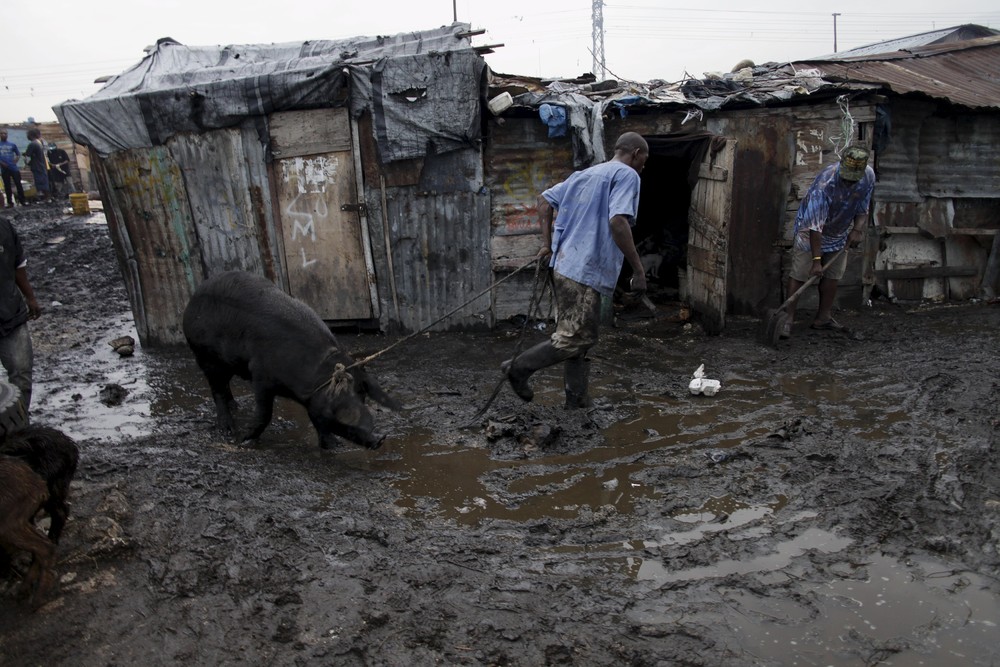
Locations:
(521, 162)
(760, 193)
(440, 248)
(156, 238)
(961, 72)
(218, 183)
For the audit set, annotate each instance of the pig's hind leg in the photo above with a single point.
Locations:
(264, 397)
(219, 377)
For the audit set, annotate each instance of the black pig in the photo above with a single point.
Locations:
(54, 457)
(239, 323)
(22, 495)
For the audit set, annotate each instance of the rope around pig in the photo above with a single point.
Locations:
(378, 354)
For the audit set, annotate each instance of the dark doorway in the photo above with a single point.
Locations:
(661, 230)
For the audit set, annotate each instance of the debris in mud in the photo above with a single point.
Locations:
(788, 430)
(113, 394)
(717, 456)
(540, 435)
(125, 345)
(529, 436)
(701, 385)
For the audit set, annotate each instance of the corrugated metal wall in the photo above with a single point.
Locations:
(937, 198)
(195, 207)
(521, 162)
(145, 200)
(440, 254)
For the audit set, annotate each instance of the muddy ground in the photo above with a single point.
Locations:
(836, 503)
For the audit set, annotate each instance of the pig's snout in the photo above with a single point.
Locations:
(375, 441)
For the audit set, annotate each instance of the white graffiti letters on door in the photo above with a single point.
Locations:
(308, 209)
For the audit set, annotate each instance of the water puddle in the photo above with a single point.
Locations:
(810, 539)
(918, 612)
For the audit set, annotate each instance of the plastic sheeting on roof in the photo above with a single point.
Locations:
(179, 88)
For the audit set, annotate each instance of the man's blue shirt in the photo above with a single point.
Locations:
(583, 248)
(830, 206)
(9, 154)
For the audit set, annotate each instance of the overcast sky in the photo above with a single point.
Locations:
(52, 51)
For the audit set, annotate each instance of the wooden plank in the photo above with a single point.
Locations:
(317, 198)
(713, 172)
(927, 272)
(958, 231)
(309, 132)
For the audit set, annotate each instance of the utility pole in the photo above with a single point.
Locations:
(597, 19)
(454, 10)
(835, 15)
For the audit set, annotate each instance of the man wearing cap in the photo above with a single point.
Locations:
(831, 216)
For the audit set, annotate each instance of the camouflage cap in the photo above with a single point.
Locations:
(853, 163)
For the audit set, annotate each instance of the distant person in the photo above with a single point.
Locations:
(9, 156)
(38, 162)
(586, 225)
(58, 170)
(17, 306)
(831, 216)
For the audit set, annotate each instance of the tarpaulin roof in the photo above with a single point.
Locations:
(422, 86)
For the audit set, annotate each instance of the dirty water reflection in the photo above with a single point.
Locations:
(874, 599)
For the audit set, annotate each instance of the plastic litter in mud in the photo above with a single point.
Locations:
(701, 385)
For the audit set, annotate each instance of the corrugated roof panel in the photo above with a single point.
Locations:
(960, 73)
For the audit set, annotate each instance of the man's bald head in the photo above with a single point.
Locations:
(632, 149)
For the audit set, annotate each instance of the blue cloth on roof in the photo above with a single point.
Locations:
(555, 117)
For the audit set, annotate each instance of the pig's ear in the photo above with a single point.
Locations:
(372, 389)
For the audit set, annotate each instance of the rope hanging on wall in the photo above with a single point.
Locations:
(847, 126)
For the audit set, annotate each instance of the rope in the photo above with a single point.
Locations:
(378, 354)
(846, 126)
(532, 304)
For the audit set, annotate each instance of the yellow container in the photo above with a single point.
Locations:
(80, 202)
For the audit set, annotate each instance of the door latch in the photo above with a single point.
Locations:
(357, 208)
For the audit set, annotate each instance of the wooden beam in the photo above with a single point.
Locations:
(927, 272)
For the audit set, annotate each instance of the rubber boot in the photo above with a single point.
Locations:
(540, 356)
(577, 372)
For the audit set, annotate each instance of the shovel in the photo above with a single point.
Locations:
(770, 331)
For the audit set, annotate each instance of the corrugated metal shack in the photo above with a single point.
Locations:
(368, 178)
(732, 155)
(349, 172)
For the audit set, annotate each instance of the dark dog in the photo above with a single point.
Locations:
(53, 456)
(22, 495)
